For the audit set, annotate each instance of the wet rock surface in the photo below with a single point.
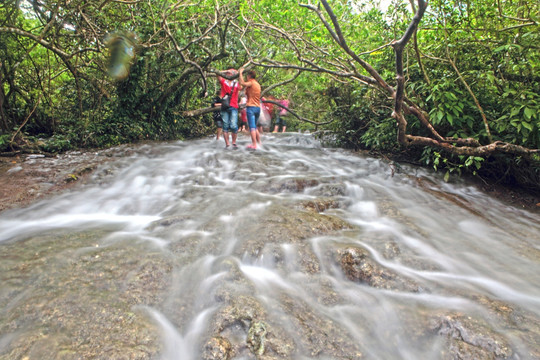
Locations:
(468, 339)
(80, 294)
(28, 178)
(217, 348)
(84, 299)
(358, 265)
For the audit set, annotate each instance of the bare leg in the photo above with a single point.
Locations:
(284, 128)
(253, 133)
(218, 134)
(276, 129)
(234, 136)
(226, 137)
(258, 137)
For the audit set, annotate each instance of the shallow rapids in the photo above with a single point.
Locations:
(186, 251)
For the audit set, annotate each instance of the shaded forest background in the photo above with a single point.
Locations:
(449, 84)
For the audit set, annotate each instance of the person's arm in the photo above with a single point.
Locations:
(241, 78)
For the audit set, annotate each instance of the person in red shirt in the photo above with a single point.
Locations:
(230, 115)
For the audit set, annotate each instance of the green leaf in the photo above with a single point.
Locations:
(529, 113)
(440, 115)
(527, 125)
(450, 119)
(447, 176)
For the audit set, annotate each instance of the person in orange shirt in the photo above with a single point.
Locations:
(253, 106)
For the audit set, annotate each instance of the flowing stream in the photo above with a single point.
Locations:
(186, 250)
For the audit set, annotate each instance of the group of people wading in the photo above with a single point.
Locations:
(242, 96)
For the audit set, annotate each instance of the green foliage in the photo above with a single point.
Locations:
(381, 135)
(521, 120)
(56, 144)
(451, 107)
(4, 142)
(362, 121)
(494, 48)
(453, 164)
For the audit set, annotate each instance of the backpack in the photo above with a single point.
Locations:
(226, 100)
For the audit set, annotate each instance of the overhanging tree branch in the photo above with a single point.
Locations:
(403, 105)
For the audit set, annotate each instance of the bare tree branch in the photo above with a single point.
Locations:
(25, 121)
(295, 114)
(272, 87)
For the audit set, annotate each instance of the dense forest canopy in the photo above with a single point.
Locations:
(454, 84)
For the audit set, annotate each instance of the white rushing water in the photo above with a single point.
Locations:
(197, 207)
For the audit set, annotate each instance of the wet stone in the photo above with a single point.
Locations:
(84, 298)
(358, 265)
(256, 338)
(321, 204)
(320, 336)
(287, 185)
(335, 189)
(285, 224)
(217, 348)
(470, 339)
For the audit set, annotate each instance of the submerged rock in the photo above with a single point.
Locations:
(321, 204)
(285, 184)
(256, 338)
(288, 225)
(80, 298)
(217, 348)
(320, 336)
(244, 324)
(469, 339)
(357, 265)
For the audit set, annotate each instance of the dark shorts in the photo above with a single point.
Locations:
(280, 120)
(219, 124)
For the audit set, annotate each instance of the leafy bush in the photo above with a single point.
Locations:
(4, 142)
(56, 143)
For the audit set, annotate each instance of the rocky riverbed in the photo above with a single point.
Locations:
(26, 178)
(277, 276)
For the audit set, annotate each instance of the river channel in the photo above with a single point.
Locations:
(187, 251)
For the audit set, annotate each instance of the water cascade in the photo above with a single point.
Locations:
(188, 251)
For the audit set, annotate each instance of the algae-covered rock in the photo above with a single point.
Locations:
(256, 337)
(357, 265)
(470, 339)
(217, 348)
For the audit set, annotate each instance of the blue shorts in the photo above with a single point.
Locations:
(253, 113)
(230, 120)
